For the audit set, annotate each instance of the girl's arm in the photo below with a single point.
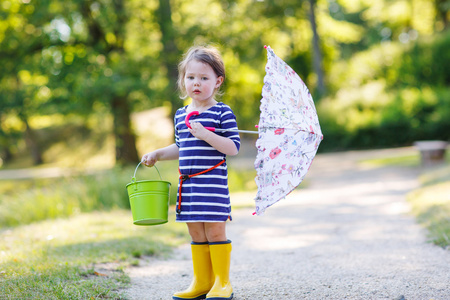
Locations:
(220, 143)
(167, 153)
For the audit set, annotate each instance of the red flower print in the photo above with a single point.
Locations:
(279, 131)
(275, 152)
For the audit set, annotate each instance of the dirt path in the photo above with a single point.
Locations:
(347, 236)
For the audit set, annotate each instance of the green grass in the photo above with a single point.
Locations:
(71, 237)
(31, 200)
(412, 160)
(407, 160)
(242, 180)
(431, 204)
(56, 244)
(81, 257)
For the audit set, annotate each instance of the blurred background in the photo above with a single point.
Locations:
(91, 85)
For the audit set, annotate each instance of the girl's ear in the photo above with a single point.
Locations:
(219, 81)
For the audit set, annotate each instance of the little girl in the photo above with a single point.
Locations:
(203, 197)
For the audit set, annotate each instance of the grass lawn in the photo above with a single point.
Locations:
(81, 257)
(431, 204)
(72, 237)
(412, 160)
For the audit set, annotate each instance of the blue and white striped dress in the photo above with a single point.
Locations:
(205, 198)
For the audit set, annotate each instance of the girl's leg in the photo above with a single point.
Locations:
(215, 232)
(203, 278)
(207, 232)
(197, 232)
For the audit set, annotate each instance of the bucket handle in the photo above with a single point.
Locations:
(133, 179)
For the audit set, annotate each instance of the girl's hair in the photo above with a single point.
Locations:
(208, 55)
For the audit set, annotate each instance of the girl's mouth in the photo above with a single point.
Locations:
(196, 91)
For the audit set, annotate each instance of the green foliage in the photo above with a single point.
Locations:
(70, 57)
(385, 100)
(427, 63)
(392, 119)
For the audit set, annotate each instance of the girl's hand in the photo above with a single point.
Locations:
(220, 143)
(199, 131)
(149, 159)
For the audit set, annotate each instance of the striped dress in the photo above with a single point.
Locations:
(204, 198)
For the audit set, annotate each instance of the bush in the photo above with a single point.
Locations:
(384, 119)
(426, 63)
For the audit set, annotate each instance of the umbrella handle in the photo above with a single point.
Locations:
(195, 113)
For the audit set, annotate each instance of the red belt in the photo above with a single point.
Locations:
(183, 178)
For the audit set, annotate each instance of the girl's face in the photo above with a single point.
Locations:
(201, 82)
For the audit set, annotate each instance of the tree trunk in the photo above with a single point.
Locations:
(317, 53)
(125, 140)
(32, 143)
(7, 155)
(442, 12)
(5, 152)
(126, 151)
(170, 55)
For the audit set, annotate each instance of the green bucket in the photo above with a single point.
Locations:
(149, 200)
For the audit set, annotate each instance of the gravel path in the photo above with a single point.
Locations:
(349, 235)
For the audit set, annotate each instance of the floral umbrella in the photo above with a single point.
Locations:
(289, 133)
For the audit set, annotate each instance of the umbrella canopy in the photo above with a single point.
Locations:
(289, 133)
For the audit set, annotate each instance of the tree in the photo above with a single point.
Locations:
(442, 12)
(170, 55)
(108, 40)
(22, 79)
(317, 53)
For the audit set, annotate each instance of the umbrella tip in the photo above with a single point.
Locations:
(265, 46)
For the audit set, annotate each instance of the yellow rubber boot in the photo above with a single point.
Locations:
(203, 276)
(220, 259)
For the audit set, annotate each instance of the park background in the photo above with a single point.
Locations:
(87, 87)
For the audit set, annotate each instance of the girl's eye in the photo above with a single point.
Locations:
(204, 78)
(190, 77)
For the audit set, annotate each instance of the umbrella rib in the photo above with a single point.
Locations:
(253, 131)
(234, 130)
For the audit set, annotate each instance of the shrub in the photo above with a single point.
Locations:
(398, 118)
